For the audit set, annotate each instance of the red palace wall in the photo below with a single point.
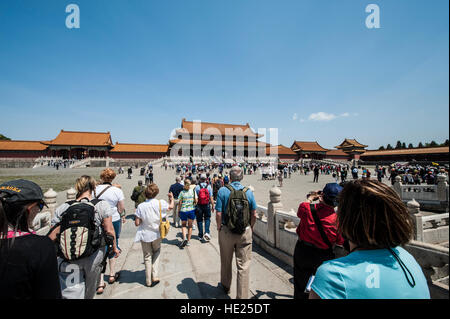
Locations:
(22, 154)
(136, 155)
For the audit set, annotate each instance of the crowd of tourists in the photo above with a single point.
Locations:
(59, 163)
(363, 216)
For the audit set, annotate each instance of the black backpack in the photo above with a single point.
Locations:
(238, 210)
(79, 236)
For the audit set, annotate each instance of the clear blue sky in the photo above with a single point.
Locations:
(309, 68)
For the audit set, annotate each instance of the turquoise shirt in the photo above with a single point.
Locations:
(370, 274)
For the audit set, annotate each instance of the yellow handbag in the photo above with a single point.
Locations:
(164, 226)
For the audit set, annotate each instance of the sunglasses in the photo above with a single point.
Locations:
(41, 205)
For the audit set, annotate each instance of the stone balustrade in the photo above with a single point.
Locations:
(41, 223)
(275, 232)
(430, 197)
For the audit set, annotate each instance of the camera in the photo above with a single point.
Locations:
(315, 194)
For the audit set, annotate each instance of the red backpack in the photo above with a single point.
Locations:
(203, 195)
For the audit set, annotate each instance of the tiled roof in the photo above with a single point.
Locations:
(348, 142)
(140, 148)
(82, 139)
(280, 149)
(408, 151)
(220, 143)
(246, 130)
(337, 153)
(22, 146)
(307, 146)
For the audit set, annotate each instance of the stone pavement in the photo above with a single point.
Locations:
(194, 272)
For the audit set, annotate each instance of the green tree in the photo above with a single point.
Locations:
(420, 145)
(398, 145)
(3, 137)
(389, 147)
(445, 143)
(403, 145)
(433, 144)
(410, 145)
(381, 148)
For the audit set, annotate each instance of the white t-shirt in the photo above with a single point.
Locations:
(112, 196)
(148, 212)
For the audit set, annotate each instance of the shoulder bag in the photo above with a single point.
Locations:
(164, 226)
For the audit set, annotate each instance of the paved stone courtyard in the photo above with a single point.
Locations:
(194, 272)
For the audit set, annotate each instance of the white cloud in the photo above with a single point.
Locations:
(295, 116)
(302, 120)
(325, 117)
(321, 116)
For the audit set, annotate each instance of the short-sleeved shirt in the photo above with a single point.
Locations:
(308, 231)
(370, 274)
(208, 187)
(175, 189)
(148, 212)
(112, 196)
(224, 194)
(187, 198)
(102, 210)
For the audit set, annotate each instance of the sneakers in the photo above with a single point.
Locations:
(187, 243)
(183, 243)
(193, 227)
(207, 237)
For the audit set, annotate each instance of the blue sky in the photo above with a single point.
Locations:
(311, 68)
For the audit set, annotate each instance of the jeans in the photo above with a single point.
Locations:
(117, 229)
(203, 213)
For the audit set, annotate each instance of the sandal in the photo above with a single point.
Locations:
(102, 287)
(114, 278)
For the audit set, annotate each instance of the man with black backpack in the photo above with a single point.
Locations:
(235, 217)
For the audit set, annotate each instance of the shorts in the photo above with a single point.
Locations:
(184, 216)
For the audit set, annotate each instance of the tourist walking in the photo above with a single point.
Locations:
(280, 178)
(317, 235)
(235, 217)
(218, 183)
(148, 217)
(377, 224)
(87, 269)
(187, 202)
(28, 267)
(204, 206)
(316, 174)
(176, 189)
(137, 195)
(114, 196)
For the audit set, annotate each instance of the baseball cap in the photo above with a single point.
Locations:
(331, 192)
(21, 190)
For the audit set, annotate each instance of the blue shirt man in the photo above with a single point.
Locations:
(203, 185)
(224, 194)
(176, 189)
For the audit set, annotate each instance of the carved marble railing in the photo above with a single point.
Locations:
(434, 197)
(275, 231)
(41, 223)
